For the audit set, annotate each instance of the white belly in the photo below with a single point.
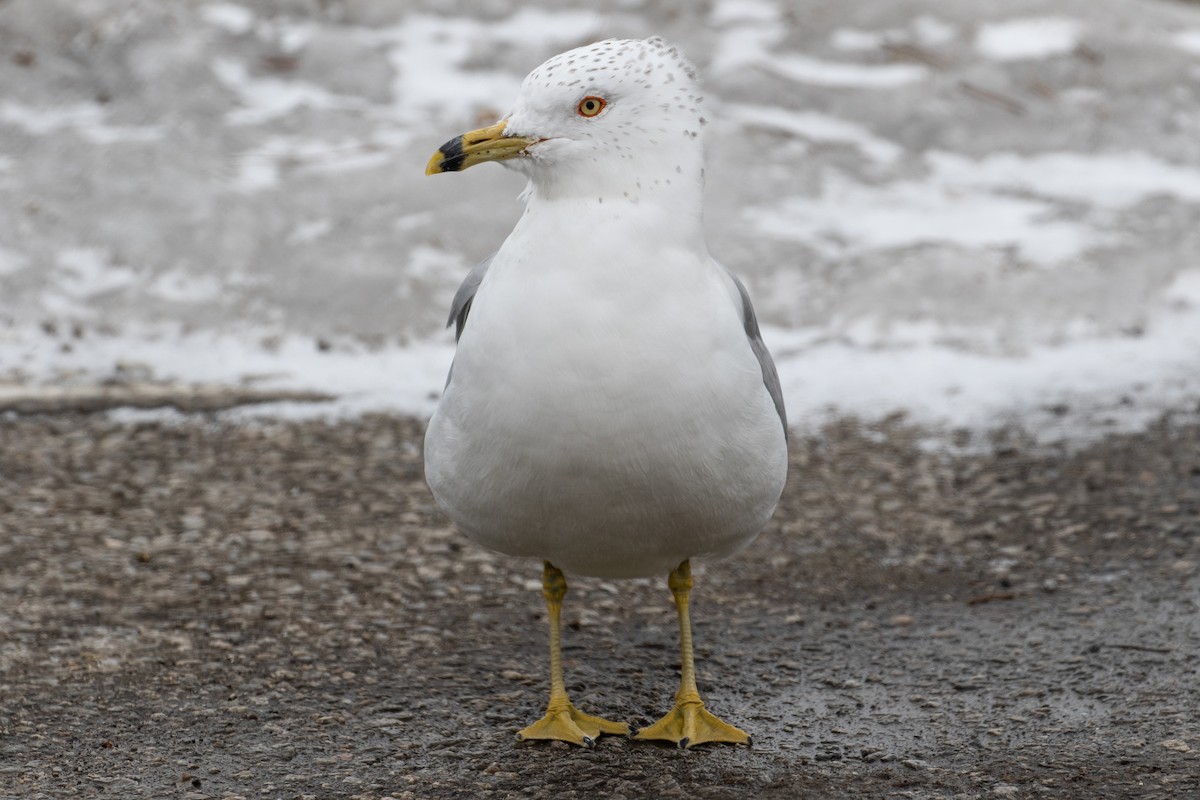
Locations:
(615, 437)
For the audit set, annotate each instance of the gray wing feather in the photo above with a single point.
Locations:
(769, 373)
(460, 307)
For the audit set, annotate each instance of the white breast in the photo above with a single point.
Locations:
(606, 411)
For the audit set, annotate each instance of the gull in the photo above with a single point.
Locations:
(611, 408)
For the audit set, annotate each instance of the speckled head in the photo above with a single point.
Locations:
(617, 112)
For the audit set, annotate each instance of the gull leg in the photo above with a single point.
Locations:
(562, 720)
(689, 722)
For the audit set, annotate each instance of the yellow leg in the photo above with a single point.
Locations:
(562, 720)
(689, 722)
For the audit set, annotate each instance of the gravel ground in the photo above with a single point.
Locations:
(205, 609)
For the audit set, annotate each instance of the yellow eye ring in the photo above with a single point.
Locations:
(590, 106)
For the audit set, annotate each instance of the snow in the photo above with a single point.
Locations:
(908, 248)
(852, 39)
(427, 265)
(181, 287)
(86, 119)
(931, 31)
(1002, 200)
(430, 53)
(264, 167)
(233, 18)
(914, 370)
(1028, 38)
(40, 121)
(850, 218)
(918, 371)
(816, 127)
(1188, 40)
(266, 99)
(11, 261)
(940, 385)
(818, 72)
(405, 379)
(1184, 291)
(749, 40)
(1109, 180)
(307, 232)
(924, 30)
(87, 272)
(728, 12)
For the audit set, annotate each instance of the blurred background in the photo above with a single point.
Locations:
(975, 214)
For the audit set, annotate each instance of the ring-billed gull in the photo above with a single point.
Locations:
(611, 408)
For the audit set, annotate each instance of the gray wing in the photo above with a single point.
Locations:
(460, 307)
(769, 374)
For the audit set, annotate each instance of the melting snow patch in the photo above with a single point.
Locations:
(88, 273)
(86, 119)
(179, 287)
(345, 162)
(1118, 382)
(840, 74)
(1185, 290)
(427, 265)
(430, 55)
(982, 203)
(236, 19)
(540, 29)
(747, 42)
(729, 12)
(308, 232)
(852, 40)
(928, 31)
(256, 171)
(818, 127)
(1028, 38)
(1189, 41)
(263, 167)
(11, 261)
(850, 218)
(40, 121)
(932, 31)
(266, 99)
(407, 379)
(1109, 180)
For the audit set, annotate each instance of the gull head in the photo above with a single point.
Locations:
(614, 113)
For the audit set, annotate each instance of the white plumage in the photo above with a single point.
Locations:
(606, 410)
(612, 408)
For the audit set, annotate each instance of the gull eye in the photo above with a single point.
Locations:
(590, 106)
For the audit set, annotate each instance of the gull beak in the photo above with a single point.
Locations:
(485, 144)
